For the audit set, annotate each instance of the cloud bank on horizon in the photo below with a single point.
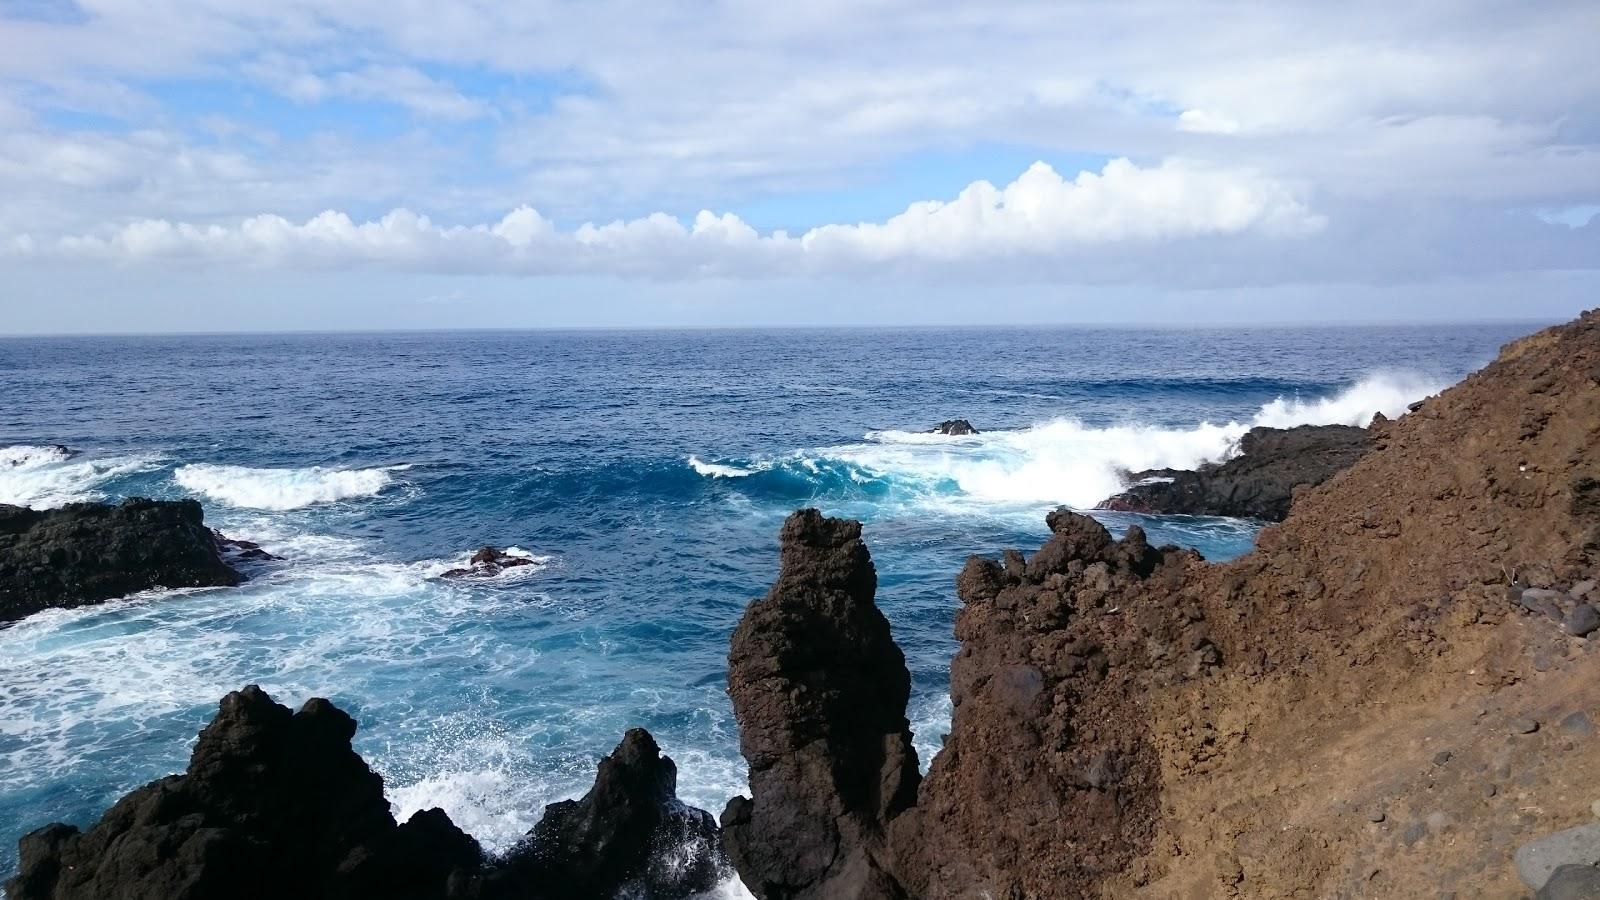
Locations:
(1159, 145)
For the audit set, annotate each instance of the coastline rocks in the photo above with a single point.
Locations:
(954, 427)
(628, 835)
(85, 553)
(274, 804)
(1259, 483)
(277, 804)
(819, 690)
(487, 563)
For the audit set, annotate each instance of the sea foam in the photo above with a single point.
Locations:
(1063, 461)
(280, 489)
(44, 476)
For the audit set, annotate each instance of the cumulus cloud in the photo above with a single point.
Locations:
(1039, 216)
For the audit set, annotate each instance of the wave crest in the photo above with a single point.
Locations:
(281, 489)
(1058, 462)
(49, 476)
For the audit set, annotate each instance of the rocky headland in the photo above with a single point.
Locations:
(1393, 695)
(1259, 483)
(85, 553)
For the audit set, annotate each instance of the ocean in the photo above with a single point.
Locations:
(646, 472)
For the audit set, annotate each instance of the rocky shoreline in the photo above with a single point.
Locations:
(85, 553)
(1391, 696)
(1259, 483)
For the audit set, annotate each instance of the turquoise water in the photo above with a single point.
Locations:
(648, 474)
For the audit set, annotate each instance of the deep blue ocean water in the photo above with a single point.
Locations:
(648, 471)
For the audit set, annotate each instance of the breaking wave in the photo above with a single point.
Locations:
(47, 476)
(1059, 462)
(281, 489)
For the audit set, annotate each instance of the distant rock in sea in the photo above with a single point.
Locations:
(1259, 483)
(954, 427)
(85, 553)
(489, 562)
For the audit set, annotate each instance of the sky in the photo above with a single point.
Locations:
(221, 165)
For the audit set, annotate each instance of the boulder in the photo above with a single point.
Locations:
(1258, 483)
(954, 427)
(1537, 860)
(85, 553)
(819, 690)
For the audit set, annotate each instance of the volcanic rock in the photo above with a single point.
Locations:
(819, 690)
(1259, 483)
(276, 804)
(629, 835)
(487, 563)
(1133, 721)
(955, 427)
(85, 553)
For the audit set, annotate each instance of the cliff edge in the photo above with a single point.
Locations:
(1386, 698)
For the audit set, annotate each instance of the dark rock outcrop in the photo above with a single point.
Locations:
(819, 690)
(954, 426)
(1259, 483)
(276, 804)
(630, 836)
(487, 563)
(85, 553)
(244, 551)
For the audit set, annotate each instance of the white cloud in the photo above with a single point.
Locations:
(400, 85)
(1040, 216)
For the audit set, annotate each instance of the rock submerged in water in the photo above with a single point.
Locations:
(1259, 483)
(487, 563)
(85, 553)
(954, 427)
(277, 804)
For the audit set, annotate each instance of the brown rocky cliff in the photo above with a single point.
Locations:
(1343, 712)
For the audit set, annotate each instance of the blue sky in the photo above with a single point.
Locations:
(217, 165)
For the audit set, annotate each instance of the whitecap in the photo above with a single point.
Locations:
(1067, 462)
(282, 489)
(718, 470)
(45, 476)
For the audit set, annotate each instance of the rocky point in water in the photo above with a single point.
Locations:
(955, 427)
(276, 804)
(1259, 483)
(1383, 699)
(85, 553)
(487, 563)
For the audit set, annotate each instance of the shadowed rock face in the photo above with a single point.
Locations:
(955, 427)
(85, 553)
(819, 689)
(1259, 483)
(276, 804)
(629, 835)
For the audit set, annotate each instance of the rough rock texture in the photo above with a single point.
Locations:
(1259, 483)
(630, 835)
(86, 553)
(819, 689)
(954, 426)
(1343, 712)
(276, 804)
(487, 563)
